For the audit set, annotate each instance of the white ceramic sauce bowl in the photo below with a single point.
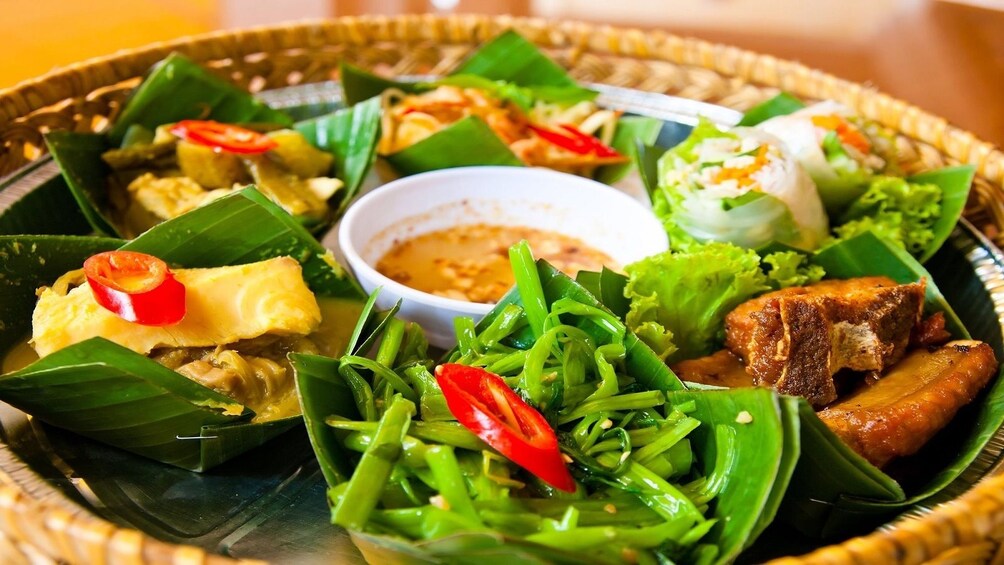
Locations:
(602, 217)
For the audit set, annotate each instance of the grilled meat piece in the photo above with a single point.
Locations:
(930, 332)
(718, 369)
(900, 412)
(794, 340)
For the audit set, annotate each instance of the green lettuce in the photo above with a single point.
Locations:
(679, 300)
(791, 268)
(900, 211)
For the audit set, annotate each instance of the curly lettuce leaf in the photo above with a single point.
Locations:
(902, 212)
(791, 268)
(679, 300)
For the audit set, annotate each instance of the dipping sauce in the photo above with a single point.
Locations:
(472, 262)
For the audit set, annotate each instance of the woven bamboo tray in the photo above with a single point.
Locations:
(85, 96)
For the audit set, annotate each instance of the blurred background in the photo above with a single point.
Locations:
(946, 56)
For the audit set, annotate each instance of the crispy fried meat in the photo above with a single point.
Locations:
(897, 414)
(795, 340)
(718, 369)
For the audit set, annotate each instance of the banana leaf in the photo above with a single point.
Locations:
(323, 392)
(955, 183)
(178, 89)
(510, 57)
(780, 105)
(114, 395)
(631, 132)
(608, 287)
(647, 160)
(79, 158)
(827, 475)
(28, 262)
(48, 208)
(867, 254)
(466, 142)
(752, 460)
(351, 135)
(359, 85)
(792, 451)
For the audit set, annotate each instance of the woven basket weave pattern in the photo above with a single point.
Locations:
(86, 96)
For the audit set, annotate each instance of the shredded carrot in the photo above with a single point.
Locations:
(846, 133)
(742, 174)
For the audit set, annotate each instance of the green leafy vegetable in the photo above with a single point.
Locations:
(432, 482)
(899, 211)
(791, 268)
(683, 297)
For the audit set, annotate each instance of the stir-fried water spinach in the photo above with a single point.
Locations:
(402, 467)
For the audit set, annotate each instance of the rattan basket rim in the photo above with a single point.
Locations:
(971, 519)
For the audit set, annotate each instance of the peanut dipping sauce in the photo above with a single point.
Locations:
(472, 262)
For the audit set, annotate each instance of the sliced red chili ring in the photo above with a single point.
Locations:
(227, 137)
(484, 404)
(136, 287)
(575, 141)
(596, 146)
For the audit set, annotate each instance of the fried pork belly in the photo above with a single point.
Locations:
(718, 369)
(795, 340)
(897, 414)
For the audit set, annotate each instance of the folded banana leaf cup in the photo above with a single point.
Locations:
(726, 448)
(834, 491)
(178, 89)
(512, 68)
(110, 393)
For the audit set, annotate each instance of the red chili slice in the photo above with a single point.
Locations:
(575, 141)
(484, 404)
(227, 137)
(136, 287)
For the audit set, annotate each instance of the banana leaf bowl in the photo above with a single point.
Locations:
(65, 498)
